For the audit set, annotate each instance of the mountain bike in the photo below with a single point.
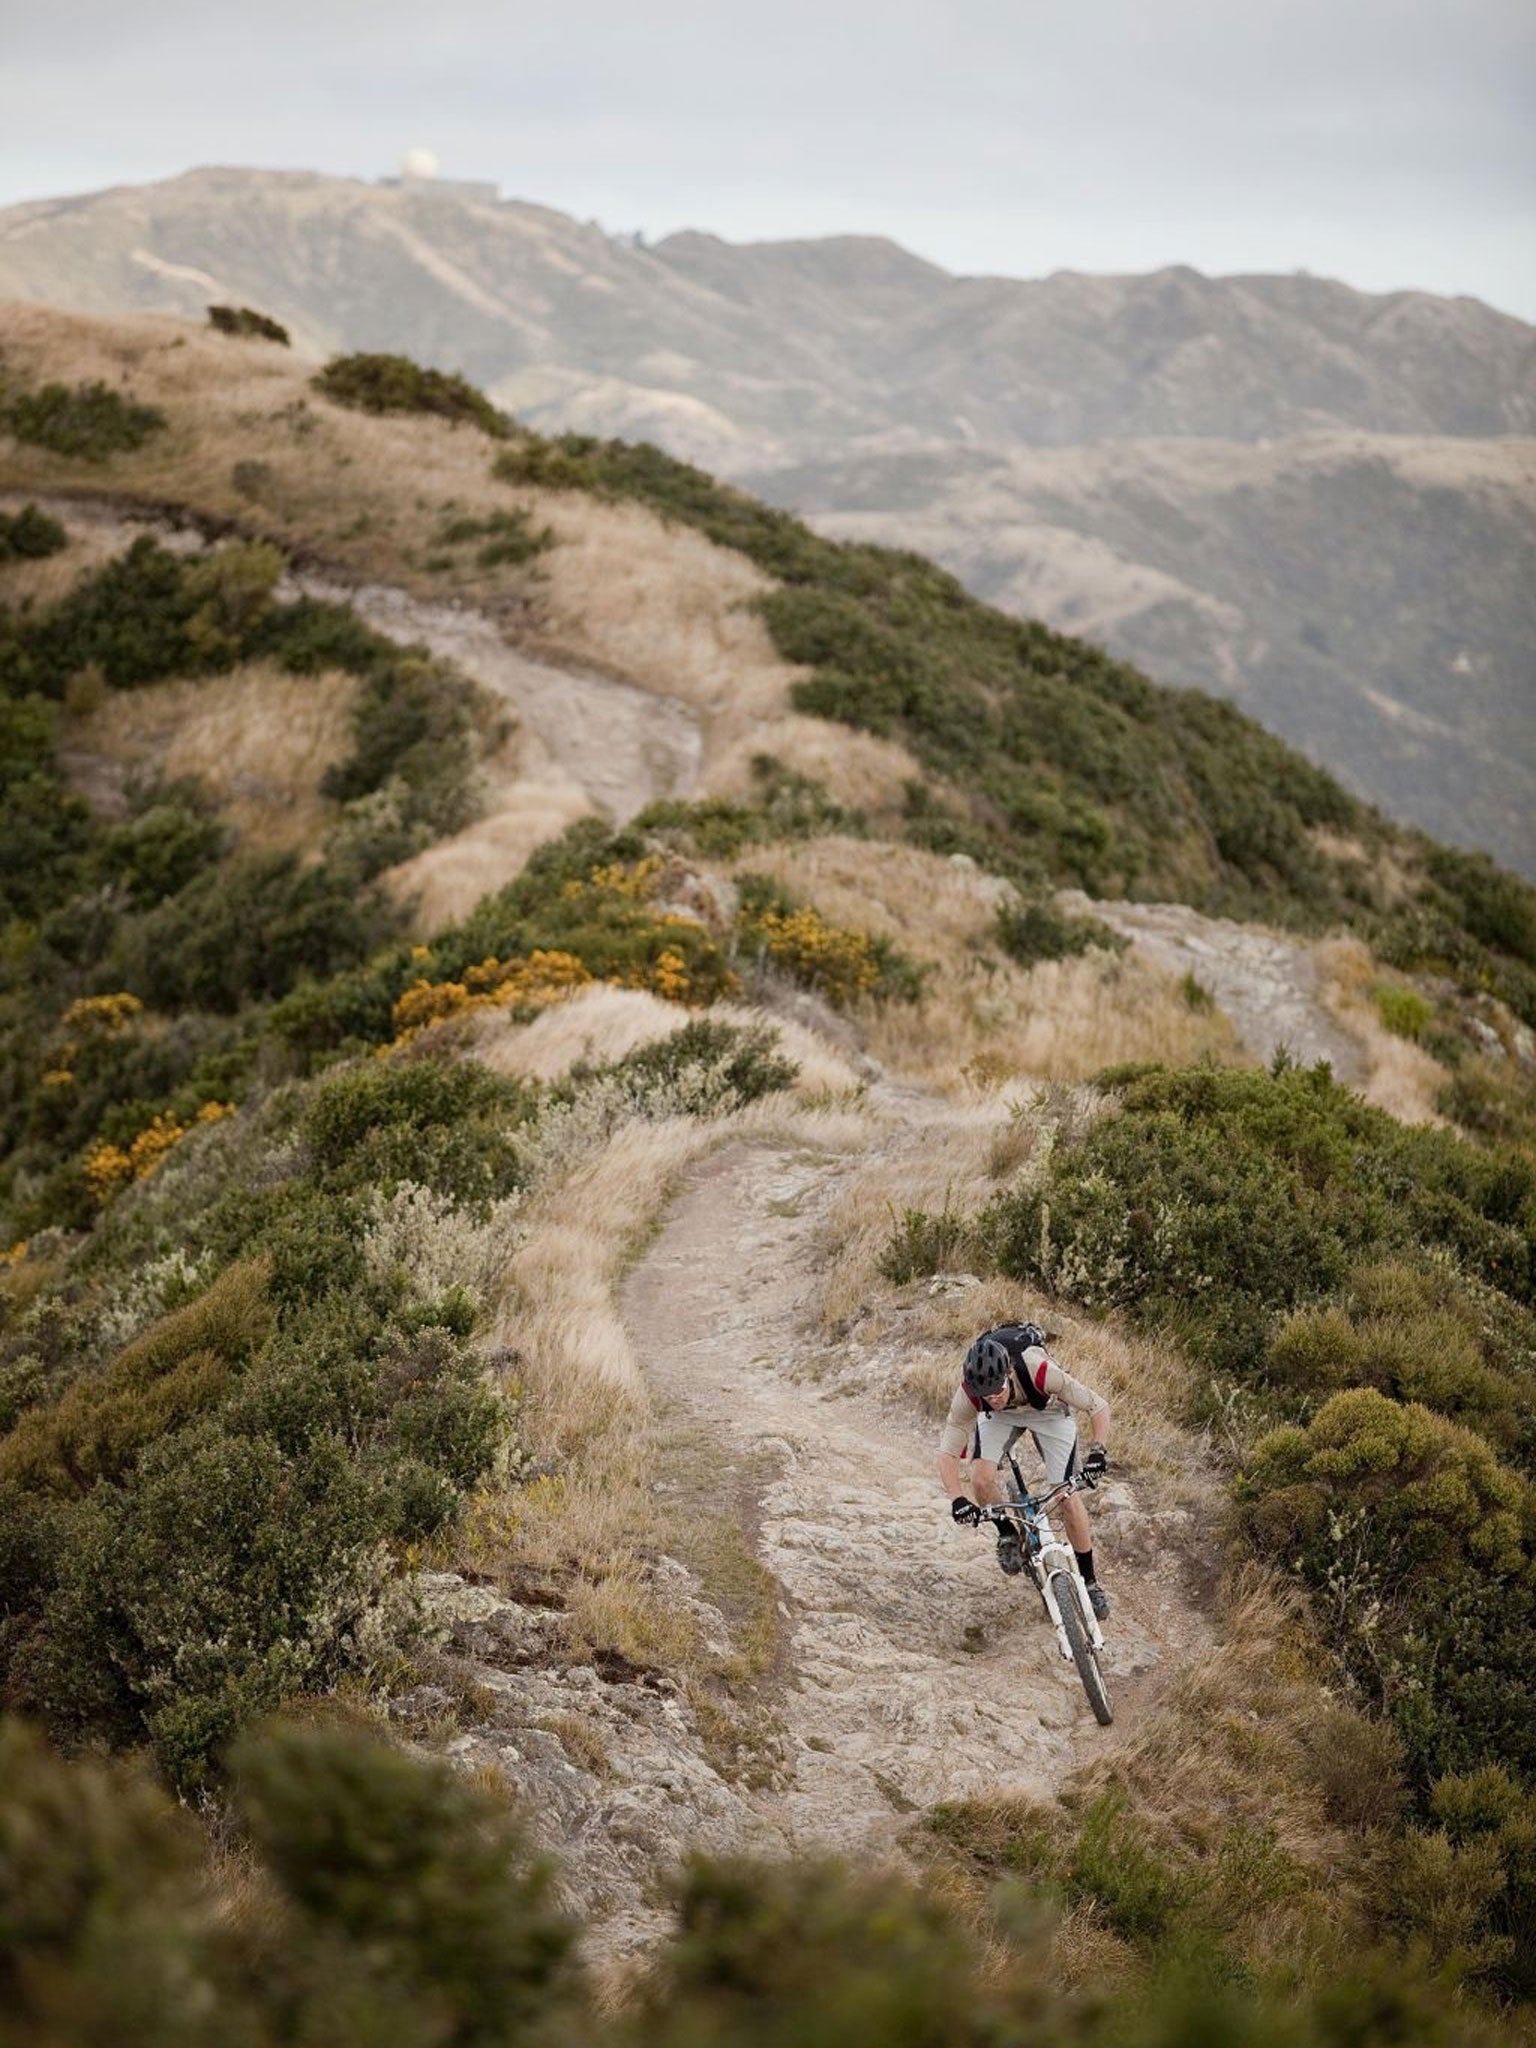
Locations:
(1051, 1564)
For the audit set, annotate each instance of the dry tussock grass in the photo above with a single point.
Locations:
(597, 1024)
(602, 1023)
(937, 1166)
(562, 1316)
(445, 881)
(257, 739)
(622, 592)
(1386, 871)
(1401, 1077)
(922, 900)
(664, 607)
(44, 582)
(1063, 1020)
(865, 773)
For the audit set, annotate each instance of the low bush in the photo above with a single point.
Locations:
(150, 614)
(922, 1242)
(88, 421)
(385, 383)
(247, 324)
(729, 1063)
(413, 726)
(447, 1127)
(1402, 1010)
(1217, 1200)
(1418, 1333)
(29, 535)
(249, 929)
(1035, 930)
(507, 538)
(785, 805)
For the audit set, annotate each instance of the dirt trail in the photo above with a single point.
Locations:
(1268, 985)
(619, 746)
(623, 746)
(914, 1670)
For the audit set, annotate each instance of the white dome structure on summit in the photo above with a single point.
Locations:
(419, 162)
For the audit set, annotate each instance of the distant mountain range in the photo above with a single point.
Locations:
(1313, 500)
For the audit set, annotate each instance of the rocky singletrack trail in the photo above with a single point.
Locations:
(913, 1669)
(908, 1670)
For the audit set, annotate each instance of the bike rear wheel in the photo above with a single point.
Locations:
(1084, 1656)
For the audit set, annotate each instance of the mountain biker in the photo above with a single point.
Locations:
(1010, 1384)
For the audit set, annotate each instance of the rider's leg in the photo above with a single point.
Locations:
(1055, 1436)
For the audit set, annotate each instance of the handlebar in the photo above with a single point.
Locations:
(994, 1511)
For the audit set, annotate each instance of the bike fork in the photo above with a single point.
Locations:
(1047, 1577)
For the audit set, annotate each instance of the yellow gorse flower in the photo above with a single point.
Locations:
(541, 979)
(110, 1168)
(101, 1013)
(842, 964)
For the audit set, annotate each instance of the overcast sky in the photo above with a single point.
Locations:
(1387, 142)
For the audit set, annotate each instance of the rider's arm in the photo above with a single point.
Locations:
(959, 1424)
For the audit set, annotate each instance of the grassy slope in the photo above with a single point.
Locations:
(1041, 756)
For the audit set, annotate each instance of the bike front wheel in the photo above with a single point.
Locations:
(1084, 1655)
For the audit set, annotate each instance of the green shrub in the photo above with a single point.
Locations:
(1421, 1491)
(28, 535)
(160, 850)
(786, 805)
(770, 1954)
(1218, 1200)
(102, 1917)
(383, 383)
(1402, 1010)
(1036, 930)
(738, 1064)
(413, 724)
(148, 1633)
(46, 830)
(249, 928)
(921, 1243)
(508, 538)
(412, 1868)
(247, 324)
(1418, 1333)
(151, 614)
(91, 421)
(451, 1128)
(174, 1372)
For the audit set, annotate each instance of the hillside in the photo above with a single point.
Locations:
(539, 1010)
(1313, 500)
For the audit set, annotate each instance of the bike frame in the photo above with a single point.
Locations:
(1047, 1555)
